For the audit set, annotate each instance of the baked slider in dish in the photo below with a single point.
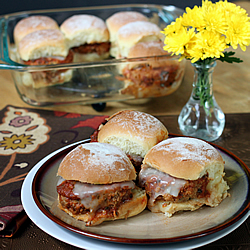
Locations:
(98, 184)
(87, 36)
(45, 47)
(155, 74)
(116, 21)
(134, 32)
(33, 23)
(134, 132)
(183, 174)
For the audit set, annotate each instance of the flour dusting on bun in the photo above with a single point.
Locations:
(183, 174)
(97, 184)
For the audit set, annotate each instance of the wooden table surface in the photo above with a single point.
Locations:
(231, 90)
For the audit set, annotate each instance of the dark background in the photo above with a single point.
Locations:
(11, 6)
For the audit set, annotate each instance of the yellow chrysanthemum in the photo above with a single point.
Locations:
(176, 42)
(206, 31)
(238, 32)
(173, 27)
(230, 8)
(193, 18)
(208, 44)
(214, 18)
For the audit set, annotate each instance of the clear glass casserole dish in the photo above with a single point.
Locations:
(92, 82)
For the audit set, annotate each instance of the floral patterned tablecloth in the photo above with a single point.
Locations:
(26, 136)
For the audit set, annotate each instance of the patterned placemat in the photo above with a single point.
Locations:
(27, 136)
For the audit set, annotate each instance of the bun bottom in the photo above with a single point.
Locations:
(40, 79)
(126, 210)
(218, 192)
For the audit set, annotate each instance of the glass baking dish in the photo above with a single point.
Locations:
(91, 82)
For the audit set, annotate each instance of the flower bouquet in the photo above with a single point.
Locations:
(203, 35)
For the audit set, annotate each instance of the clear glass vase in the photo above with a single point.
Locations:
(201, 117)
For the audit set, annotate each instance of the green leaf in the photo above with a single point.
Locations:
(228, 57)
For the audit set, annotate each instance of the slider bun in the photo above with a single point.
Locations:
(97, 163)
(185, 158)
(148, 49)
(82, 29)
(135, 32)
(144, 49)
(117, 20)
(31, 24)
(133, 131)
(126, 210)
(38, 79)
(189, 159)
(42, 43)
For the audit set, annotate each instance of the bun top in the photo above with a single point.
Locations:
(42, 43)
(117, 20)
(97, 163)
(149, 49)
(81, 29)
(133, 131)
(185, 158)
(135, 32)
(31, 24)
(144, 49)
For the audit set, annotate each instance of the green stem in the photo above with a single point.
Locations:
(203, 84)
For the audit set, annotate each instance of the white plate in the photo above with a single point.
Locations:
(76, 239)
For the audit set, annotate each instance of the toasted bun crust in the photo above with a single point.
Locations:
(185, 158)
(116, 21)
(133, 131)
(97, 163)
(42, 43)
(126, 210)
(146, 49)
(119, 19)
(31, 24)
(135, 32)
(82, 29)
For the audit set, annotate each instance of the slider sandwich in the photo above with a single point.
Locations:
(97, 184)
(45, 47)
(87, 36)
(33, 23)
(135, 32)
(116, 21)
(134, 132)
(183, 174)
(154, 74)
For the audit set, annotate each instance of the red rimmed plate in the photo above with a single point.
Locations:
(148, 227)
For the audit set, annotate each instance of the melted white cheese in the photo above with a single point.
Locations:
(165, 183)
(88, 193)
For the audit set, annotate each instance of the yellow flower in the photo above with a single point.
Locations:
(176, 42)
(214, 18)
(15, 141)
(238, 32)
(230, 8)
(193, 18)
(206, 31)
(208, 44)
(173, 27)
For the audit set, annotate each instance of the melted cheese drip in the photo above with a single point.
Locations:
(88, 192)
(166, 184)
